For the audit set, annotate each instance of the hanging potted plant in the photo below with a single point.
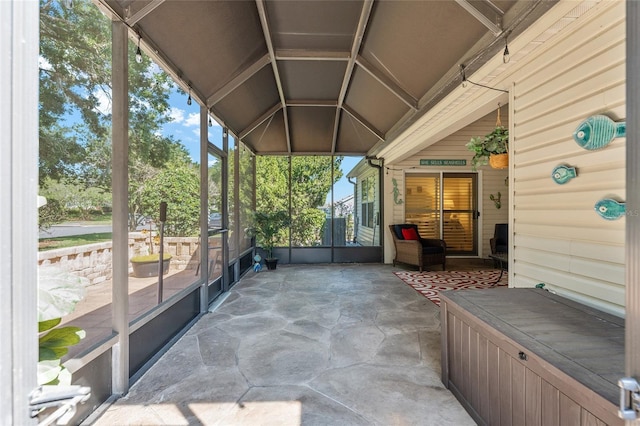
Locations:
(267, 226)
(490, 149)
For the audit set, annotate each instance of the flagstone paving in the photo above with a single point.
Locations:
(346, 344)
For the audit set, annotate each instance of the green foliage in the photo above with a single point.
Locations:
(496, 142)
(73, 240)
(310, 184)
(75, 81)
(51, 214)
(179, 186)
(267, 225)
(72, 195)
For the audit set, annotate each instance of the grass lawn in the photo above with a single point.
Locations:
(92, 219)
(71, 241)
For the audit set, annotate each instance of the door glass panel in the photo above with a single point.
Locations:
(458, 208)
(422, 206)
(215, 257)
(459, 196)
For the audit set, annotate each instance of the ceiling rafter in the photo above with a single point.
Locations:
(387, 82)
(312, 103)
(262, 12)
(311, 55)
(365, 13)
(370, 127)
(238, 80)
(147, 9)
(264, 117)
(490, 16)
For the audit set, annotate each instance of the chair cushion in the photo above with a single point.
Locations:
(410, 234)
(431, 250)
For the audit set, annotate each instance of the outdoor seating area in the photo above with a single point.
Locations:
(412, 249)
(181, 150)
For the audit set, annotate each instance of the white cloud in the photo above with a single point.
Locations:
(197, 133)
(177, 115)
(193, 119)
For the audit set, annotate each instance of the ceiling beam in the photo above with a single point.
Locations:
(490, 16)
(312, 103)
(360, 119)
(365, 13)
(310, 55)
(150, 7)
(262, 11)
(387, 82)
(264, 117)
(238, 80)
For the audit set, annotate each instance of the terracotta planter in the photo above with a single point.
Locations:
(149, 268)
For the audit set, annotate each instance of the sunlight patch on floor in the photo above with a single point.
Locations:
(280, 413)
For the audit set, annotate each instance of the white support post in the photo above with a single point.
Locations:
(204, 208)
(632, 244)
(19, 38)
(120, 188)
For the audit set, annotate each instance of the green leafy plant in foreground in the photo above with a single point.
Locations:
(58, 293)
(267, 225)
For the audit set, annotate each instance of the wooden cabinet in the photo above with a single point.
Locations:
(504, 375)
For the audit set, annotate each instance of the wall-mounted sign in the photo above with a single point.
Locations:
(438, 162)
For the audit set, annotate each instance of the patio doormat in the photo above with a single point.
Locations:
(431, 283)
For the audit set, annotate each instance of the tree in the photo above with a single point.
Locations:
(310, 184)
(179, 186)
(72, 195)
(74, 70)
(75, 97)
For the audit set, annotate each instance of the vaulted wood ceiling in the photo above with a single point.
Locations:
(321, 77)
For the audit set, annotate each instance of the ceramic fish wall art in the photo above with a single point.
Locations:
(598, 131)
(563, 174)
(610, 209)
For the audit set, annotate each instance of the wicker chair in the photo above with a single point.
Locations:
(422, 252)
(500, 241)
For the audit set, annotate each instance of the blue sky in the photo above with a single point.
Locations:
(186, 128)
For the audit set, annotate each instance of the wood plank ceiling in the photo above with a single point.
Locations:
(321, 77)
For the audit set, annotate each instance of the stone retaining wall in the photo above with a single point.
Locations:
(93, 261)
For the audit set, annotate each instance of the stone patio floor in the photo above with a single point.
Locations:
(345, 344)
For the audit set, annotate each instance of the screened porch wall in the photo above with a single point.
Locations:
(559, 238)
(491, 181)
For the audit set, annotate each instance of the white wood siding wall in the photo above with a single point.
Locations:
(490, 181)
(558, 238)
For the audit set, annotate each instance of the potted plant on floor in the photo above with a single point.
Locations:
(492, 149)
(266, 227)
